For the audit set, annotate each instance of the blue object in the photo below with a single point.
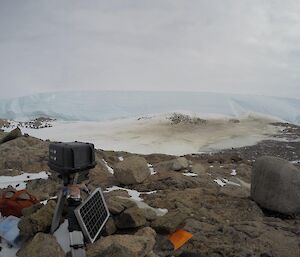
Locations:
(9, 229)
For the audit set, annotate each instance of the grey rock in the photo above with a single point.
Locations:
(132, 170)
(275, 185)
(180, 164)
(15, 133)
(131, 218)
(42, 245)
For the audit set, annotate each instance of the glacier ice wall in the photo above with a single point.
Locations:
(106, 105)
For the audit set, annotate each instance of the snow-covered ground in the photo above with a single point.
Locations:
(157, 134)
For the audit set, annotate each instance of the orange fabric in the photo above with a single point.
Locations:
(12, 205)
(179, 238)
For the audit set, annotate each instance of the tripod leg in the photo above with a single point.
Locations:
(76, 237)
(58, 210)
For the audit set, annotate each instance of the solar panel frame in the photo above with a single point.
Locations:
(86, 209)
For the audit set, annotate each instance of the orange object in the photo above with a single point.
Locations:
(179, 238)
(13, 202)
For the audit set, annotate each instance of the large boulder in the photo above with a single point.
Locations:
(15, 133)
(24, 154)
(132, 170)
(138, 245)
(275, 185)
(42, 245)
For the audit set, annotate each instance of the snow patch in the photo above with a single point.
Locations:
(233, 173)
(110, 169)
(7, 250)
(219, 182)
(223, 182)
(142, 205)
(135, 195)
(152, 171)
(190, 174)
(46, 201)
(19, 182)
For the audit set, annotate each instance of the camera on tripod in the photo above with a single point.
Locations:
(68, 158)
(72, 161)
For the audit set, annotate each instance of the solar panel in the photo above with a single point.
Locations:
(92, 215)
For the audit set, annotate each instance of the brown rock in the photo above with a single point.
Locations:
(169, 223)
(39, 221)
(32, 209)
(139, 245)
(24, 154)
(131, 218)
(42, 245)
(109, 227)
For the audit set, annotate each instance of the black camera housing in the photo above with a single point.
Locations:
(68, 158)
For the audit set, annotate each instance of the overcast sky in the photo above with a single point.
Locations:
(240, 46)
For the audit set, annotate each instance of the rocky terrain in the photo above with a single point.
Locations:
(207, 195)
(38, 123)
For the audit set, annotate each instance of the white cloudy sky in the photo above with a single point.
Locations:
(241, 46)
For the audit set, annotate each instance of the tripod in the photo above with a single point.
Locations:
(70, 193)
